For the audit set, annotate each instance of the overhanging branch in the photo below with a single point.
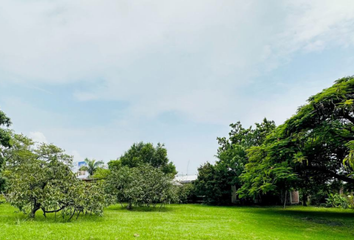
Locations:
(333, 174)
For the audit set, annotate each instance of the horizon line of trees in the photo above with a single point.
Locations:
(313, 151)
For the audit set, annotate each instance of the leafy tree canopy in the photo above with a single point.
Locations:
(39, 177)
(215, 181)
(144, 185)
(312, 148)
(4, 134)
(145, 153)
(321, 134)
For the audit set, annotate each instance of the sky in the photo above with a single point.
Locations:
(95, 76)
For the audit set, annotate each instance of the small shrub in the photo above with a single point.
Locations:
(350, 198)
(337, 200)
(186, 193)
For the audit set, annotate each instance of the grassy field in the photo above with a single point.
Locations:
(186, 222)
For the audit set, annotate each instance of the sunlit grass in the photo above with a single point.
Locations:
(185, 222)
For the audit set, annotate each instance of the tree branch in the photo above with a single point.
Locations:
(333, 174)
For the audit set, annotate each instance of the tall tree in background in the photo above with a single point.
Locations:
(145, 153)
(215, 182)
(4, 143)
(91, 166)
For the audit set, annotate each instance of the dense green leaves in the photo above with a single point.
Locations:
(40, 177)
(5, 142)
(311, 149)
(141, 186)
(215, 182)
(4, 135)
(145, 153)
(323, 131)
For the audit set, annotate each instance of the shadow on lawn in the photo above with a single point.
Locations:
(141, 209)
(17, 218)
(328, 217)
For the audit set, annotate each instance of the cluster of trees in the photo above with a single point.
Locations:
(39, 177)
(313, 151)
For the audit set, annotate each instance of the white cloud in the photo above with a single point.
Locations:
(192, 57)
(209, 48)
(198, 58)
(229, 41)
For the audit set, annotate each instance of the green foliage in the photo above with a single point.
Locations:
(144, 185)
(337, 200)
(214, 184)
(101, 173)
(309, 150)
(4, 134)
(114, 165)
(323, 130)
(262, 175)
(40, 178)
(91, 166)
(5, 142)
(215, 181)
(145, 153)
(186, 193)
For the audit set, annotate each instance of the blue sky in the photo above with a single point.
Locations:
(93, 77)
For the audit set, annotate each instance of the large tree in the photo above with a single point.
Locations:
(313, 148)
(323, 132)
(215, 182)
(40, 178)
(145, 153)
(144, 185)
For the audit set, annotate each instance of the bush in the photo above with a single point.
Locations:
(141, 186)
(350, 199)
(337, 200)
(186, 193)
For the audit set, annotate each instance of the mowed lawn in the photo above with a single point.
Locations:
(186, 222)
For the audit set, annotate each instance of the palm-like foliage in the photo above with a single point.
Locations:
(92, 166)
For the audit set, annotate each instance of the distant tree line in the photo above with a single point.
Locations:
(313, 152)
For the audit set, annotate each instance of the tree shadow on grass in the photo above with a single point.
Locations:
(141, 209)
(330, 217)
(17, 218)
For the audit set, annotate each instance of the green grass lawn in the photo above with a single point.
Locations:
(186, 222)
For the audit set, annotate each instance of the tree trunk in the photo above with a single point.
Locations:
(43, 209)
(36, 207)
(304, 200)
(285, 195)
(129, 206)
